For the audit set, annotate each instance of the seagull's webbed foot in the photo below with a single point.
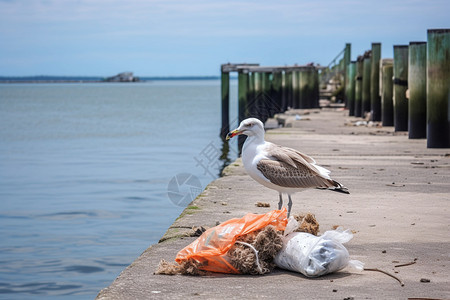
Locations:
(280, 203)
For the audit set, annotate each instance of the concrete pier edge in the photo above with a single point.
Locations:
(398, 208)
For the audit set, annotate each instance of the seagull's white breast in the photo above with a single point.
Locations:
(252, 153)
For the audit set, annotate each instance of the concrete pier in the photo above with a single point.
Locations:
(398, 209)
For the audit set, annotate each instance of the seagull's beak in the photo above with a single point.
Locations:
(233, 133)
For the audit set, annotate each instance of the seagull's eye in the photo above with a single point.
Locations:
(249, 125)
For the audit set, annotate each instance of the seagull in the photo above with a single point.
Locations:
(283, 169)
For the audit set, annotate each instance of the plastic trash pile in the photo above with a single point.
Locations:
(256, 244)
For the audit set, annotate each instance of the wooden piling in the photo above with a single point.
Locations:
(400, 87)
(306, 88)
(225, 70)
(417, 83)
(258, 101)
(365, 98)
(242, 100)
(375, 99)
(289, 89)
(350, 88)
(316, 88)
(251, 98)
(225, 82)
(268, 102)
(386, 91)
(295, 88)
(347, 58)
(358, 86)
(438, 88)
(277, 94)
(284, 101)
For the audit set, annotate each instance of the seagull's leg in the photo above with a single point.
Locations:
(289, 206)
(280, 203)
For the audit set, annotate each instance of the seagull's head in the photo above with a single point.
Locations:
(249, 127)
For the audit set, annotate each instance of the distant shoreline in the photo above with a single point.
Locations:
(86, 79)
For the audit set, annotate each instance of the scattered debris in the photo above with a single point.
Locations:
(315, 256)
(262, 204)
(395, 185)
(406, 264)
(198, 231)
(254, 252)
(359, 123)
(188, 267)
(387, 273)
(307, 223)
(425, 280)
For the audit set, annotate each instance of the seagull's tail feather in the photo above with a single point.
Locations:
(339, 188)
(335, 186)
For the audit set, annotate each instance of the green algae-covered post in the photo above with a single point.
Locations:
(365, 98)
(400, 87)
(284, 101)
(225, 93)
(225, 78)
(288, 84)
(269, 107)
(358, 86)
(257, 99)
(242, 99)
(295, 89)
(347, 57)
(350, 89)
(251, 102)
(438, 88)
(305, 83)
(375, 99)
(417, 83)
(387, 104)
(242, 93)
(316, 88)
(277, 82)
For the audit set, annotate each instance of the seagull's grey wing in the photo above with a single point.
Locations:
(289, 155)
(301, 176)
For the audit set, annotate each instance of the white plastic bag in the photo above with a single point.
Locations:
(315, 256)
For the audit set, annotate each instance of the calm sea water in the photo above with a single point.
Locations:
(85, 171)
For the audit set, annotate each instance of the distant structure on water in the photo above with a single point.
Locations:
(123, 77)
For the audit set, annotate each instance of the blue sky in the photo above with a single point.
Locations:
(176, 38)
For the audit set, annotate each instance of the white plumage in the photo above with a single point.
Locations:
(280, 168)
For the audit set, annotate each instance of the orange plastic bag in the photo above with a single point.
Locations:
(211, 247)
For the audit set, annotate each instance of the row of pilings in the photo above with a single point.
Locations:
(410, 92)
(265, 91)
